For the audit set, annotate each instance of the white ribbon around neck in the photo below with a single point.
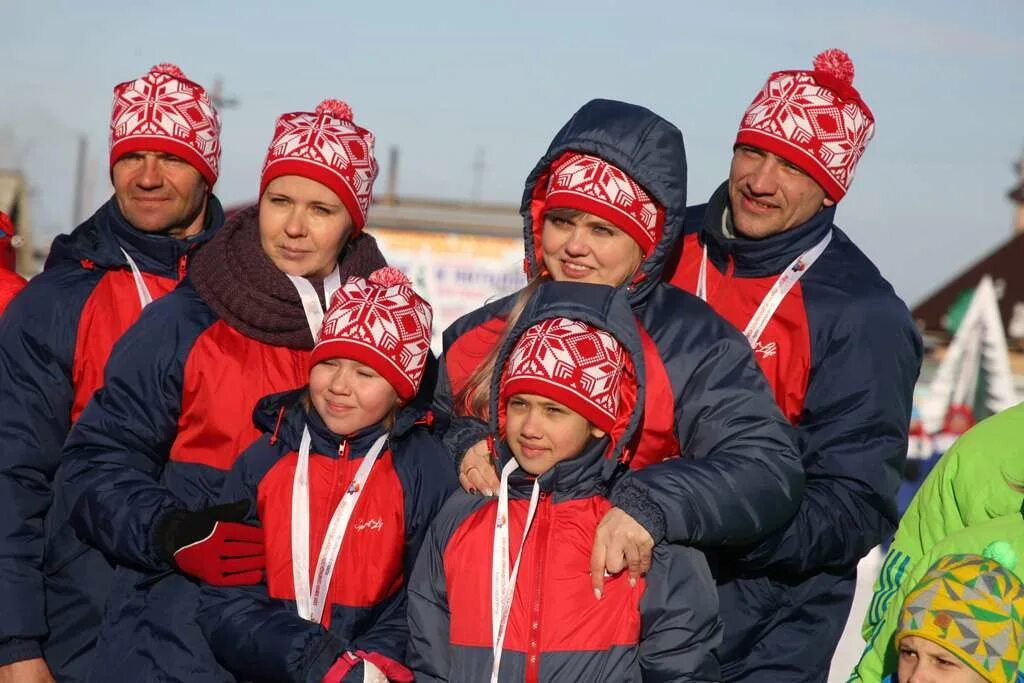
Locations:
(311, 304)
(773, 299)
(145, 298)
(309, 601)
(503, 583)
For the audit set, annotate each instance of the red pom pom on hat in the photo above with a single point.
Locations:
(336, 108)
(168, 69)
(389, 276)
(835, 63)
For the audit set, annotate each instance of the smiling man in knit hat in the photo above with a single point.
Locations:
(837, 345)
(54, 342)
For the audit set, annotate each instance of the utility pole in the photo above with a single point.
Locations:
(219, 99)
(78, 205)
(478, 174)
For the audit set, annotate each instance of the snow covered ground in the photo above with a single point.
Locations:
(851, 644)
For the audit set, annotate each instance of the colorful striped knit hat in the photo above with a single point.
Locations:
(973, 606)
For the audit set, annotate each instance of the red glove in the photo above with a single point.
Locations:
(213, 546)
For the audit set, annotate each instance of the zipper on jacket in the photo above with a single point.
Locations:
(533, 641)
(182, 266)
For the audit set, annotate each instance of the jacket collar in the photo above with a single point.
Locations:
(582, 476)
(101, 238)
(764, 257)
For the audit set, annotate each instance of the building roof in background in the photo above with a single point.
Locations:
(1004, 266)
(438, 215)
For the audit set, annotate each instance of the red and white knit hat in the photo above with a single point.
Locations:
(591, 184)
(163, 111)
(325, 146)
(570, 362)
(815, 120)
(380, 322)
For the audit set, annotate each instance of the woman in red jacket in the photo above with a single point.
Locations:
(148, 456)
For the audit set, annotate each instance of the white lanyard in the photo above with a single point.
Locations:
(145, 298)
(503, 584)
(310, 603)
(311, 305)
(789, 277)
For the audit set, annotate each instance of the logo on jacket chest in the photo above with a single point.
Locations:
(375, 524)
(765, 350)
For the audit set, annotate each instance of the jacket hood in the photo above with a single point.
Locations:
(763, 257)
(100, 239)
(639, 142)
(606, 308)
(284, 415)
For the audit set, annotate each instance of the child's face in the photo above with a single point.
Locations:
(349, 395)
(543, 433)
(922, 661)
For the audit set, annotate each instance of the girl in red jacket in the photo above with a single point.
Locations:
(502, 588)
(344, 482)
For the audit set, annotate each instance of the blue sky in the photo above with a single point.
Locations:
(442, 79)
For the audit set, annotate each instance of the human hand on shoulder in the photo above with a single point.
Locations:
(26, 671)
(620, 543)
(477, 472)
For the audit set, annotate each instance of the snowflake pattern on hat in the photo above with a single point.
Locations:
(164, 111)
(570, 362)
(386, 326)
(813, 119)
(328, 147)
(591, 184)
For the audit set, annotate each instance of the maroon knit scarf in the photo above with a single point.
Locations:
(240, 283)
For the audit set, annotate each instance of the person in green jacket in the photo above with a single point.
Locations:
(881, 656)
(968, 486)
(963, 622)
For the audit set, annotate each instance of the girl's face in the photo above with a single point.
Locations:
(303, 226)
(349, 395)
(542, 433)
(582, 247)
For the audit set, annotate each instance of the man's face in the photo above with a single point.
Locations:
(769, 195)
(160, 193)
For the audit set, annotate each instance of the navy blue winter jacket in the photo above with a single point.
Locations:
(739, 477)
(842, 355)
(54, 342)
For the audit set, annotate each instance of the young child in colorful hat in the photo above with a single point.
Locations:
(345, 481)
(502, 588)
(964, 621)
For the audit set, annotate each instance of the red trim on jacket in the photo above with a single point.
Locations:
(554, 608)
(10, 284)
(784, 350)
(112, 307)
(226, 374)
(370, 564)
(469, 351)
(658, 433)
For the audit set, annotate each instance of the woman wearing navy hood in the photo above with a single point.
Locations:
(604, 205)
